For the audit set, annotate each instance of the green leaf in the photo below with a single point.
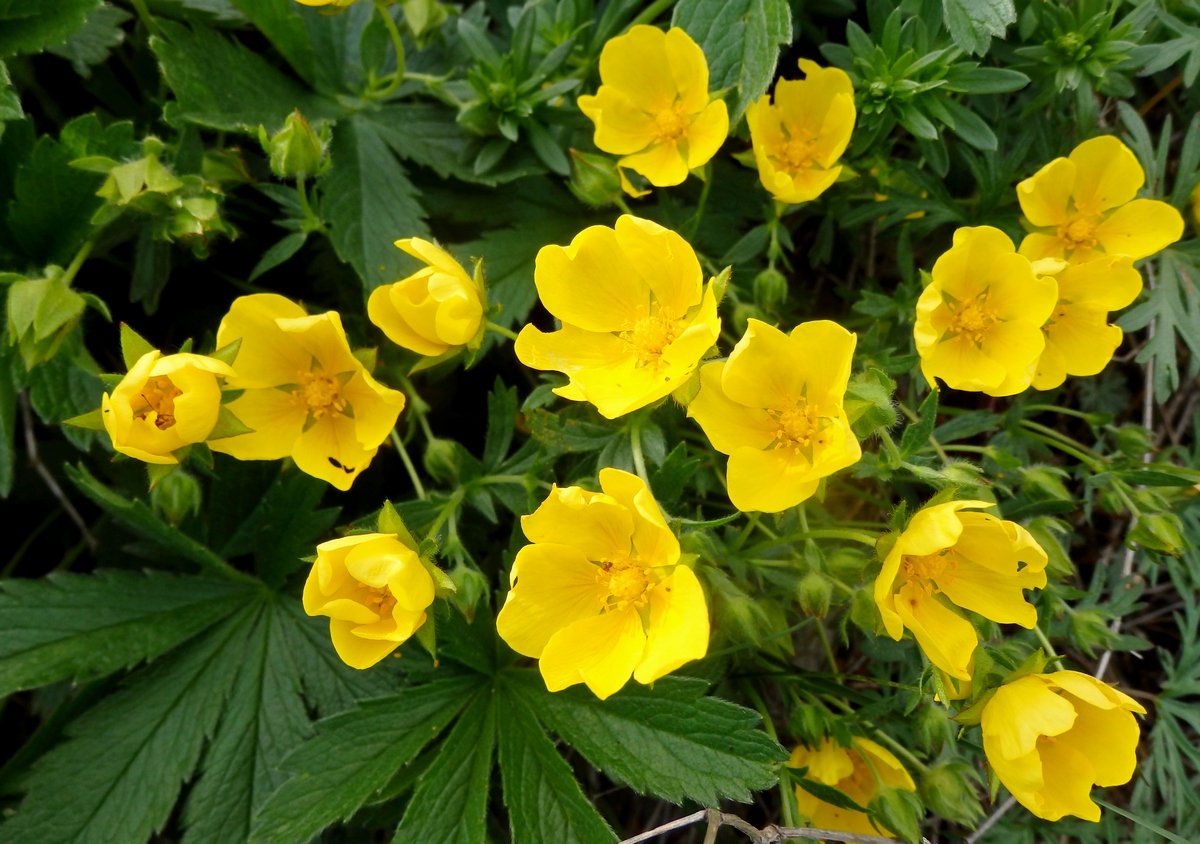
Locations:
(284, 28)
(1174, 306)
(450, 801)
(545, 803)
(741, 39)
(87, 626)
(8, 420)
(669, 740)
(288, 246)
(672, 476)
(916, 435)
(29, 26)
(828, 794)
(118, 775)
(973, 23)
(1142, 822)
(370, 203)
(354, 755)
(868, 402)
(10, 103)
(133, 346)
(502, 420)
(91, 44)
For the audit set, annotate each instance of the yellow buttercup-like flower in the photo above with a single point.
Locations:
(433, 310)
(163, 404)
(653, 106)
(798, 139)
(951, 556)
(775, 407)
(337, 3)
(375, 591)
(979, 321)
(601, 595)
(1051, 737)
(306, 395)
(1079, 340)
(636, 315)
(1084, 206)
(852, 771)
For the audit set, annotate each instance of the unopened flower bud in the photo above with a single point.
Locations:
(1159, 532)
(296, 148)
(899, 810)
(470, 586)
(1089, 630)
(815, 591)
(176, 496)
(594, 179)
(863, 611)
(770, 289)
(946, 790)
(441, 460)
(934, 726)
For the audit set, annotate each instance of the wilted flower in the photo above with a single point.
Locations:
(852, 771)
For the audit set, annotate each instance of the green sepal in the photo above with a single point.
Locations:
(1035, 663)
(93, 420)
(228, 425)
(443, 585)
(368, 357)
(428, 363)
(157, 471)
(133, 346)
(231, 395)
(720, 283)
(427, 635)
(97, 304)
(227, 354)
(428, 549)
(200, 452)
(186, 348)
(111, 379)
(390, 522)
(973, 714)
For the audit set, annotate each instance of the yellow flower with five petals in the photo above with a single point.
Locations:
(375, 591)
(1051, 737)
(636, 315)
(432, 311)
(979, 321)
(653, 107)
(952, 556)
(305, 393)
(601, 595)
(1085, 205)
(851, 770)
(775, 407)
(798, 139)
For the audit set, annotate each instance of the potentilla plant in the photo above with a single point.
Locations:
(654, 415)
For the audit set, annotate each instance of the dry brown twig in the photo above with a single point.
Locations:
(769, 834)
(35, 460)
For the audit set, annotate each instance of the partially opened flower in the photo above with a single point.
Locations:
(1085, 205)
(432, 311)
(337, 3)
(951, 556)
(653, 106)
(1079, 339)
(306, 394)
(636, 315)
(852, 771)
(775, 407)
(979, 321)
(375, 591)
(798, 139)
(1051, 737)
(163, 404)
(601, 595)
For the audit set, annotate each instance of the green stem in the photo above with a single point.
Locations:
(77, 262)
(890, 446)
(398, 45)
(1066, 449)
(1063, 438)
(639, 462)
(1049, 408)
(502, 331)
(620, 202)
(819, 533)
(900, 748)
(408, 464)
(824, 637)
(148, 21)
(447, 511)
(650, 13)
(512, 479)
(1037, 629)
(693, 224)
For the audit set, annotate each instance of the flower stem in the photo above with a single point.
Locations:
(77, 262)
(398, 44)
(890, 446)
(650, 13)
(448, 510)
(408, 464)
(639, 462)
(147, 20)
(694, 223)
(501, 330)
(833, 666)
(1037, 629)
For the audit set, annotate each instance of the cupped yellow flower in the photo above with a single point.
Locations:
(1079, 340)
(653, 106)
(979, 321)
(600, 595)
(798, 139)
(775, 407)
(852, 771)
(1051, 737)
(163, 404)
(951, 556)
(306, 395)
(432, 311)
(375, 591)
(636, 315)
(1085, 205)
(337, 3)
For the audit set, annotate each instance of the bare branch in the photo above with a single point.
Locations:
(770, 834)
(31, 447)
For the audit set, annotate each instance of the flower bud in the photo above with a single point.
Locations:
(594, 179)
(441, 461)
(1089, 630)
(296, 149)
(1044, 483)
(946, 790)
(899, 810)
(863, 612)
(1159, 532)
(470, 586)
(176, 496)
(423, 17)
(815, 592)
(934, 726)
(770, 289)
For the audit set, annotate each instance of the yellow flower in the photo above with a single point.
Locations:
(979, 320)
(306, 395)
(1050, 737)
(163, 404)
(1084, 206)
(601, 594)
(798, 140)
(337, 3)
(775, 407)
(636, 316)
(948, 558)
(374, 590)
(653, 106)
(849, 770)
(1079, 340)
(434, 309)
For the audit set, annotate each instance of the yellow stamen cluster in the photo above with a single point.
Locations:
(651, 334)
(671, 124)
(1080, 232)
(627, 582)
(159, 395)
(924, 570)
(972, 318)
(797, 153)
(322, 393)
(379, 599)
(797, 422)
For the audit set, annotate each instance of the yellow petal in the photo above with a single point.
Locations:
(383, 311)
(323, 337)
(1096, 692)
(1140, 228)
(823, 351)
(654, 542)
(1107, 174)
(762, 369)
(678, 626)
(570, 350)
(374, 562)
(999, 544)
(947, 638)
(267, 357)
(889, 768)
(769, 481)
(1045, 194)
(594, 523)
(665, 260)
(376, 408)
(556, 586)
(1051, 369)
(706, 133)
(431, 254)
(621, 127)
(727, 424)
(276, 418)
(330, 450)
(601, 652)
(829, 763)
(1038, 246)
(411, 585)
(991, 594)
(689, 69)
(661, 163)
(591, 284)
(1083, 340)
(1108, 738)
(1069, 777)
(963, 365)
(1108, 283)
(354, 650)
(1022, 711)
(637, 65)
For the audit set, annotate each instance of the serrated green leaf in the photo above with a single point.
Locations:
(1174, 306)
(29, 26)
(90, 44)
(673, 475)
(973, 23)
(916, 435)
(502, 419)
(280, 252)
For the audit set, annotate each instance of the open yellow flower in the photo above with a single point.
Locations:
(375, 591)
(847, 769)
(601, 596)
(636, 315)
(653, 106)
(1084, 206)
(775, 407)
(950, 556)
(433, 310)
(1079, 340)
(979, 321)
(338, 3)
(306, 395)
(1050, 737)
(798, 140)
(163, 404)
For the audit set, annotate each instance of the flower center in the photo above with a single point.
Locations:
(796, 423)
(651, 334)
(1080, 232)
(159, 394)
(379, 599)
(972, 318)
(322, 393)
(627, 582)
(797, 153)
(925, 569)
(671, 124)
